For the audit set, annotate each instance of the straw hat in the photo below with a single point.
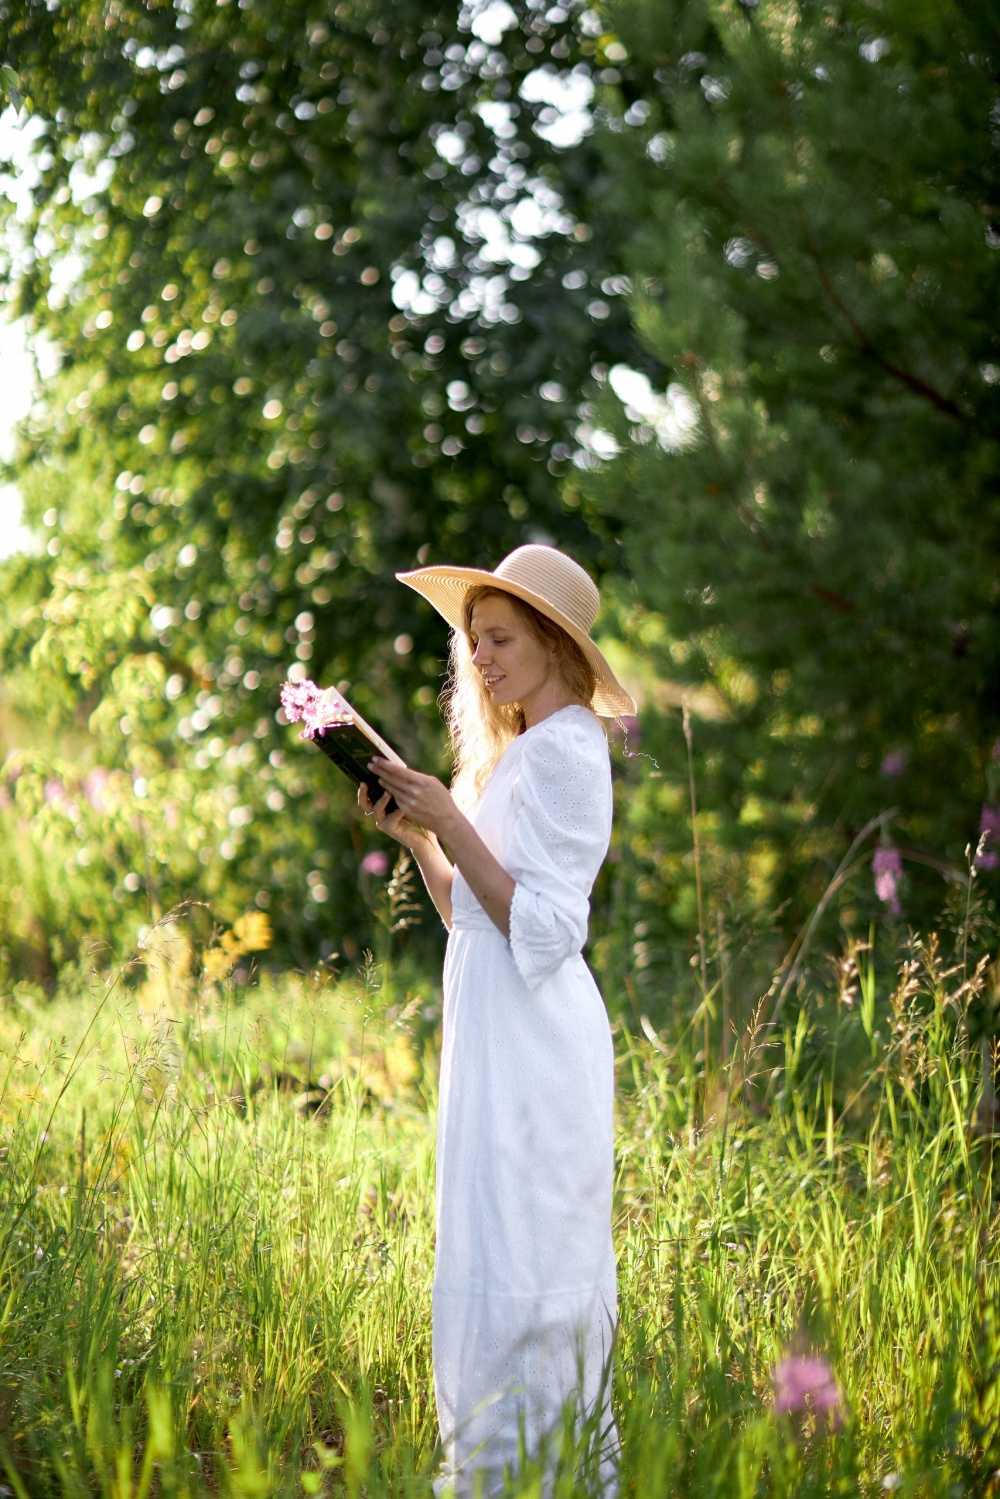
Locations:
(553, 584)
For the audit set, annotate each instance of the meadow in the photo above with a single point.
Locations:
(216, 1235)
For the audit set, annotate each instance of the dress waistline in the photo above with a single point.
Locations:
(473, 919)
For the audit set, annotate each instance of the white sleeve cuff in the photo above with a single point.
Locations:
(539, 941)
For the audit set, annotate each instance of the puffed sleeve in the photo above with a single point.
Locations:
(562, 826)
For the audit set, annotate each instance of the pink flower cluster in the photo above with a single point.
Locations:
(376, 862)
(887, 867)
(806, 1384)
(315, 706)
(989, 824)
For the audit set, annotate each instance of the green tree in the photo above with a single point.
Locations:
(813, 203)
(325, 295)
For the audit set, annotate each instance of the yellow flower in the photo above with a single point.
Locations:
(253, 931)
(217, 961)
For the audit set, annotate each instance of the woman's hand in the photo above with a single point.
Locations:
(422, 801)
(394, 824)
(412, 827)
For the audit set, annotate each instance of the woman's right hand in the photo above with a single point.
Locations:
(396, 824)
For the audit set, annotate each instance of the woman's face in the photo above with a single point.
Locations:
(514, 664)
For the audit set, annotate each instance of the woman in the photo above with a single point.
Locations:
(524, 1288)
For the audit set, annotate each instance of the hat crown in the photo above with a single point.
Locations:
(553, 576)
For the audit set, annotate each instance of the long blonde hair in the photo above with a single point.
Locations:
(479, 730)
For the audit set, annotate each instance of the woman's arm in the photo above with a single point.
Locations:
(425, 802)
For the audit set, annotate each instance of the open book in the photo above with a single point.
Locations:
(339, 731)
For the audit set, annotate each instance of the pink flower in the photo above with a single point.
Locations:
(297, 698)
(317, 707)
(93, 787)
(893, 764)
(55, 791)
(376, 863)
(989, 832)
(806, 1384)
(887, 867)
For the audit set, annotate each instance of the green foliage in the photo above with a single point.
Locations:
(160, 1132)
(290, 366)
(292, 361)
(10, 85)
(807, 499)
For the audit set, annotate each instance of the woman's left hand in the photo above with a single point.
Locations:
(423, 799)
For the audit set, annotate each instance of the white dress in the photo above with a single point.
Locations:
(524, 1301)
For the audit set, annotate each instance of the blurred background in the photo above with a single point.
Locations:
(299, 294)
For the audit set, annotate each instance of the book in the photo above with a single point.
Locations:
(340, 732)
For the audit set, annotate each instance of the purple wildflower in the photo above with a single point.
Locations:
(806, 1384)
(315, 706)
(887, 867)
(989, 832)
(893, 764)
(376, 863)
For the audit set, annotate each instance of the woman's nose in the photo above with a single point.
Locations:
(479, 655)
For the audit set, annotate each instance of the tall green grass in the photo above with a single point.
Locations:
(216, 1238)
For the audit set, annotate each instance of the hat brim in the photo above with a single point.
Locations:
(445, 588)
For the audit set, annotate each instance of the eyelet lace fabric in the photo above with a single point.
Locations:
(524, 1290)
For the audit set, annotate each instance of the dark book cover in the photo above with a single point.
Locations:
(350, 749)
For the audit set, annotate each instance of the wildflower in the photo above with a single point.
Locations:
(54, 791)
(315, 706)
(93, 788)
(376, 863)
(298, 698)
(216, 962)
(893, 764)
(806, 1384)
(887, 867)
(253, 931)
(989, 832)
